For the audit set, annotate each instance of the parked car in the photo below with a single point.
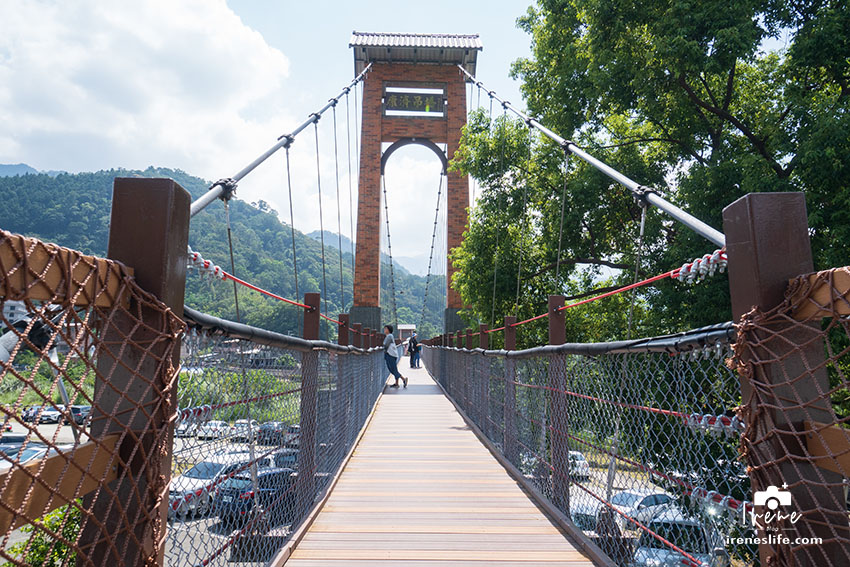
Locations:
(640, 505)
(50, 414)
(214, 430)
(285, 458)
(194, 491)
(274, 496)
(700, 542)
(243, 429)
(15, 453)
(271, 433)
(292, 437)
(579, 467)
(186, 429)
(584, 516)
(80, 414)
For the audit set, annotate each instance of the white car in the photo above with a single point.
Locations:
(640, 504)
(186, 429)
(579, 467)
(193, 491)
(243, 430)
(700, 542)
(214, 430)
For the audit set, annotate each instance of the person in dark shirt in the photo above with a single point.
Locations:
(414, 347)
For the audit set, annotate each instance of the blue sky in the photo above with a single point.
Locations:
(207, 85)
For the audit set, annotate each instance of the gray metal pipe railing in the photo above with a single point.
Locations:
(723, 333)
(217, 326)
(219, 187)
(645, 193)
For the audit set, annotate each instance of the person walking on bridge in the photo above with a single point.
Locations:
(391, 356)
(413, 347)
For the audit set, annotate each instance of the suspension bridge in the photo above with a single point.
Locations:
(212, 442)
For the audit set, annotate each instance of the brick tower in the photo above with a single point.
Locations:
(414, 94)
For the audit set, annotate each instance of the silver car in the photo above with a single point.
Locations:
(193, 492)
(701, 543)
(641, 505)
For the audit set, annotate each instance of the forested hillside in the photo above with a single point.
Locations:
(73, 210)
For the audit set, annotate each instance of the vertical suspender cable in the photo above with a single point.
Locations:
(498, 229)
(292, 223)
(245, 385)
(321, 219)
(338, 213)
(431, 256)
(561, 226)
(521, 243)
(390, 250)
(350, 188)
(637, 269)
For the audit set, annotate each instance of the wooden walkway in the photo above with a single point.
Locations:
(421, 490)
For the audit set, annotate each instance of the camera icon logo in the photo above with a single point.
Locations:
(772, 497)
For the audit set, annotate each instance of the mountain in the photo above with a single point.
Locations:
(417, 265)
(73, 210)
(10, 170)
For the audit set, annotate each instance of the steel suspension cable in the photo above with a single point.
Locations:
(640, 191)
(561, 226)
(390, 250)
(522, 241)
(292, 222)
(496, 251)
(637, 270)
(431, 256)
(224, 187)
(338, 214)
(321, 218)
(350, 189)
(245, 385)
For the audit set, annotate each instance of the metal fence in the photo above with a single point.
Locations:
(638, 443)
(81, 344)
(264, 424)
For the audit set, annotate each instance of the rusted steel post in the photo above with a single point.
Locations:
(343, 395)
(342, 337)
(484, 383)
(357, 335)
(559, 410)
(510, 440)
(306, 485)
(148, 231)
(767, 243)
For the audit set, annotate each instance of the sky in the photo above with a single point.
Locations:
(207, 85)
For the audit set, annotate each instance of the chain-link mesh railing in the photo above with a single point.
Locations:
(637, 443)
(794, 361)
(88, 368)
(265, 422)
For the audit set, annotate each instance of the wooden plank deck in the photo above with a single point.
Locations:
(421, 490)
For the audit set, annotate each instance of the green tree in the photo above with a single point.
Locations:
(698, 100)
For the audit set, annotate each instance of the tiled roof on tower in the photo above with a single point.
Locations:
(428, 48)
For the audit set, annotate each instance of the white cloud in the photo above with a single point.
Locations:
(88, 85)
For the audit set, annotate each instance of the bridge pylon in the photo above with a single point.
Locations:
(413, 94)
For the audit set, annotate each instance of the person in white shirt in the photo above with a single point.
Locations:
(391, 356)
